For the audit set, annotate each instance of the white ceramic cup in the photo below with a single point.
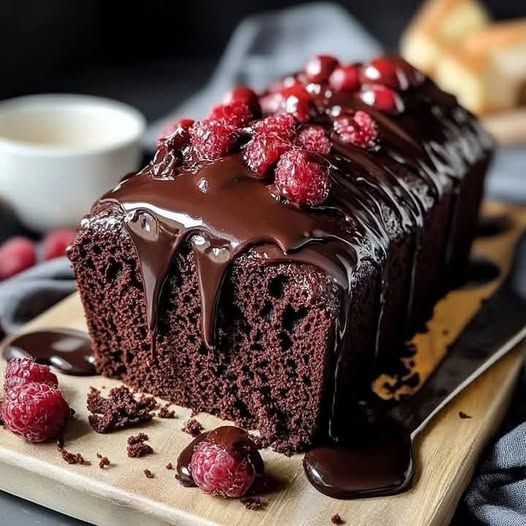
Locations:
(59, 153)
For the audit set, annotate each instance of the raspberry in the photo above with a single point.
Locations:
(236, 113)
(293, 99)
(382, 98)
(243, 94)
(319, 68)
(393, 72)
(263, 151)
(16, 254)
(358, 129)
(212, 138)
(313, 138)
(36, 412)
(56, 243)
(301, 179)
(24, 370)
(345, 78)
(222, 471)
(281, 126)
(176, 135)
(297, 101)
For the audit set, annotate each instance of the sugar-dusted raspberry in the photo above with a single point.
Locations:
(282, 126)
(358, 129)
(315, 139)
(176, 135)
(237, 113)
(394, 72)
(226, 462)
(56, 243)
(319, 68)
(36, 412)
(301, 178)
(383, 98)
(243, 94)
(16, 254)
(345, 78)
(212, 138)
(24, 370)
(263, 151)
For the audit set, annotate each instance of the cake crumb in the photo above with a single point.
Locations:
(166, 412)
(137, 447)
(192, 427)
(169, 466)
(104, 462)
(72, 458)
(121, 409)
(336, 519)
(463, 415)
(253, 503)
(148, 474)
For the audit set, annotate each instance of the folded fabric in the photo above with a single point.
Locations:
(33, 291)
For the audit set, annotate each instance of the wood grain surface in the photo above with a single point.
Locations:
(121, 494)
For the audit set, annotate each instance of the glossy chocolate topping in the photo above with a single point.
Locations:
(224, 210)
(380, 464)
(66, 349)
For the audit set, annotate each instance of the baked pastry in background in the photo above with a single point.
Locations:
(487, 70)
(482, 62)
(439, 26)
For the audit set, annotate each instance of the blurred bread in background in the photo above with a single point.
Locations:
(437, 27)
(487, 70)
(482, 62)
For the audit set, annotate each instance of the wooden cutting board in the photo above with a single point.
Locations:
(121, 495)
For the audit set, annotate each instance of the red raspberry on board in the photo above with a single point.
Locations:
(313, 138)
(220, 471)
(36, 412)
(16, 254)
(24, 370)
(212, 138)
(358, 129)
(301, 179)
(345, 78)
(382, 98)
(56, 243)
(319, 68)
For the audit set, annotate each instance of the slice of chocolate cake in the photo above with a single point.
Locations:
(275, 255)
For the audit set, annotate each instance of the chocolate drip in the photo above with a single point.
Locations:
(223, 210)
(380, 463)
(66, 349)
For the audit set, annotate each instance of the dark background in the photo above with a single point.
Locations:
(149, 53)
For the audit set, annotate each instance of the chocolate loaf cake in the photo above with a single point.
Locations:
(273, 257)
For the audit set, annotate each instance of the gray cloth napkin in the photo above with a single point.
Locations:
(34, 291)
(263, 48)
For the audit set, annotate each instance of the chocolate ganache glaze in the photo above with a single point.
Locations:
(224, 209)
(66, 349)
